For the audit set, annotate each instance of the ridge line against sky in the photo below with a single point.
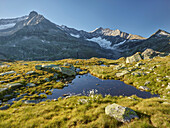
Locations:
(140, 17)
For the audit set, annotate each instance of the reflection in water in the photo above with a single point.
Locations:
(84, 83)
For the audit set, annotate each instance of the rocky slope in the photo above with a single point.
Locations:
(159, 41)
(36, 38)
(33, 37)
(106, 38)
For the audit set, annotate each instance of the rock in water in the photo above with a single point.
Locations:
(144, 88)
(120, 113)
(67, 71)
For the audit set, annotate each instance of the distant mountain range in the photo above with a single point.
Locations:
(34, 37)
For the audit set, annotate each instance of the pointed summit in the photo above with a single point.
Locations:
(32, 14)
(97, 30)
(159, 33)
(162, 32)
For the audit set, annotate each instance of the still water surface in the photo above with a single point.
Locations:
(88, 82)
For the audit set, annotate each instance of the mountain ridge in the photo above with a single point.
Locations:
(34, 36)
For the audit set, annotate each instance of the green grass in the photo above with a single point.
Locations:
(71, 113)
(153, 112)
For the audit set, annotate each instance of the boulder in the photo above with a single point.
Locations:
(4, 66)
(136, 73)
(67, 71)
(139, 64)
(117, 67)
(134, 58)
(49, 66)
(70, 65)
(120, 113)
(32, 101)
(7, 73)
(30, 72)
(122, 73)
(147, 82)
(38, 67)
(13, 85)
(3, 90)
(168, 87)
(149, 53)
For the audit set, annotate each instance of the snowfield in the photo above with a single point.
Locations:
(102, 42)
(7, 26)
(105, 44)
(163, 33)
(77, 36)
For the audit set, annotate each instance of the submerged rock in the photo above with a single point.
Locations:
(120, 113)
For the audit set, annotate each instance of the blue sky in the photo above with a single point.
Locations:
(142, 17)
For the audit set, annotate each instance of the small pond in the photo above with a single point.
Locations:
(86, 82)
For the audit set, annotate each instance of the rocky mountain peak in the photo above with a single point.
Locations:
(117, 30)
(97, 30)
(162, 32)
(32, 14)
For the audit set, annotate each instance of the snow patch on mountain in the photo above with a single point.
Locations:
(7, 26)
(77, 36)
(102, 42)
(163, 33)
(105, 44)
(116, 45)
